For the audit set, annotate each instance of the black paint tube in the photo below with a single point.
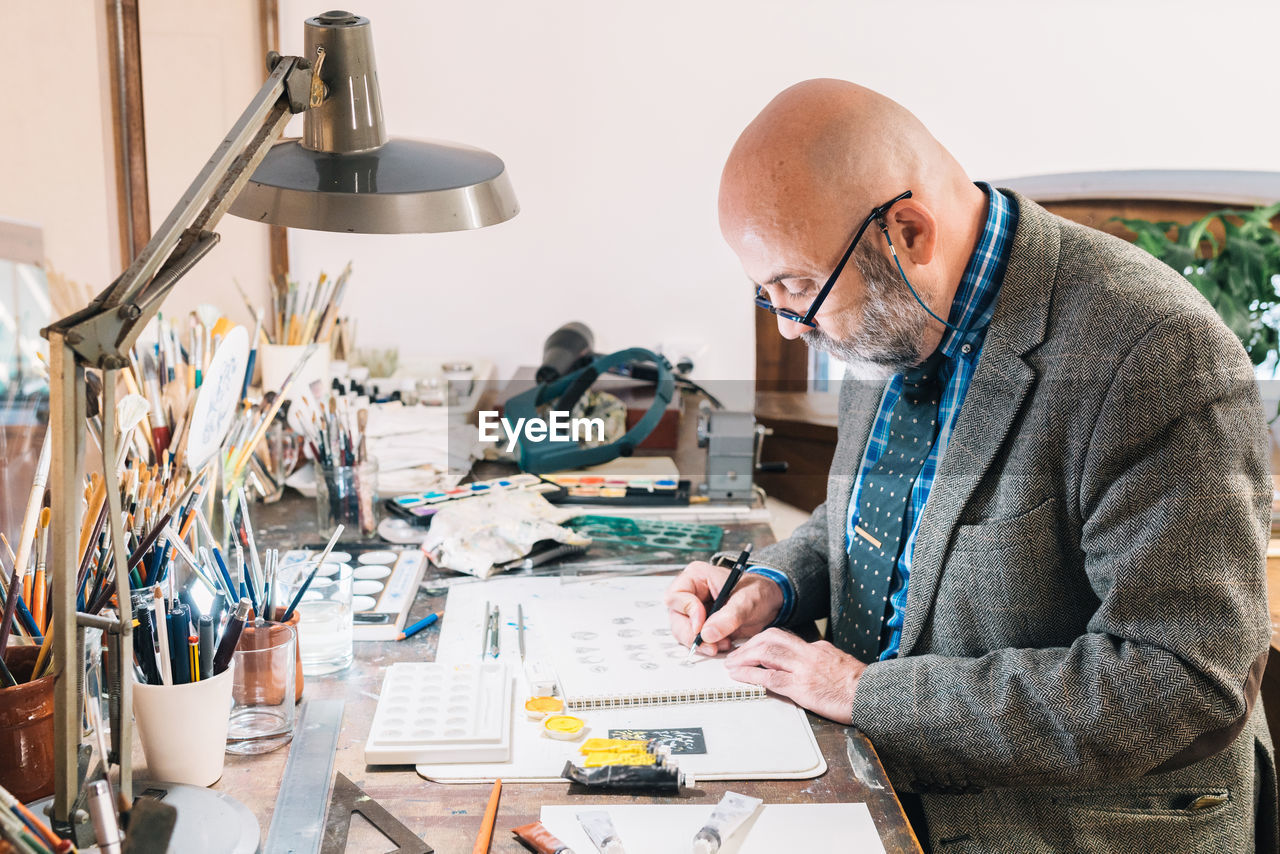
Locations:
(654, 778)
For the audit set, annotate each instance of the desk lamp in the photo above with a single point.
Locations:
(344, 174)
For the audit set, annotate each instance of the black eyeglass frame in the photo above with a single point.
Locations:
(762, 297)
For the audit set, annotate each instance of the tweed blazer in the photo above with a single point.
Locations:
(1086, 618)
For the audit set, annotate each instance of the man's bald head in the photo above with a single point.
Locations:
(827, 146)
(815, 161)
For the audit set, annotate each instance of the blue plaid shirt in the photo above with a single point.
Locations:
(974, 303)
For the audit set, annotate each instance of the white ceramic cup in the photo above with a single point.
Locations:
(184, 728)
(277, 360)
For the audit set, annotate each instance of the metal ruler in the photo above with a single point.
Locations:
(297, 824)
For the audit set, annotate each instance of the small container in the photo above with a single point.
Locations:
(325, 630)
(183, 728)
(257, 635)
(347, 495)
(277, 360)
(537, 708)
(26, 729)
(263, 695)
(564, 727)
(459, 379)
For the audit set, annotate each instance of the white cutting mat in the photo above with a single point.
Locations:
(661, 829)
(758, 739)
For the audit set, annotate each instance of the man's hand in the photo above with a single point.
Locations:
(754, 604)
(817, 676)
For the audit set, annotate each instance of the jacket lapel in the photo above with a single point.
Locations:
(999, 386)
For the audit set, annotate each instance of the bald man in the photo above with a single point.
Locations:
(1042, 553)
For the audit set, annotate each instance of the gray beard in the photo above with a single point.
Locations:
(888, 338)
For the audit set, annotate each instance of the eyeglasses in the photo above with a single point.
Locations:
(762, 297)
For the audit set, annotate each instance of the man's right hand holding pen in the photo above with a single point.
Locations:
(816, 676)
(752, 607)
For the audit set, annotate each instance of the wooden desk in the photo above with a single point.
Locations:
(448, 816)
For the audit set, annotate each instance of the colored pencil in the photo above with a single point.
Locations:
(490, 816)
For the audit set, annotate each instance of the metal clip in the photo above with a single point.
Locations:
(318, 89)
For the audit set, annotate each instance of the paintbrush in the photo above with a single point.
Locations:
(131, 411)
(31, 518)
(297, 597)
(10, 610)
(251, 543)
(39, 590)
(159, 426)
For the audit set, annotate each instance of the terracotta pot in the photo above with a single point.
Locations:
(268, 635)
(26, 729)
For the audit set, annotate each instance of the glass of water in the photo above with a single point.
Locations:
(324, 632)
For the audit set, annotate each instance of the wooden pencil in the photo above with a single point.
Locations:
(490, 816)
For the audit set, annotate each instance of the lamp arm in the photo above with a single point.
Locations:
(102, 333)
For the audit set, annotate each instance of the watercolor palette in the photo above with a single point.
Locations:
(431, 712)
(649, 533)
(635, 490)
(423, 505)
(383, 586)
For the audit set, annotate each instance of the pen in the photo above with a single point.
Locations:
(520, 630)
(418, 626)
(494, 638)
(729, 583)
(231, 636)
(206, 630)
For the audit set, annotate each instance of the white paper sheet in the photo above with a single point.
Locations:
(661, 829)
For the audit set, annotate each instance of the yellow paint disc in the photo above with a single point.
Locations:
(564, 726)
(538, 708)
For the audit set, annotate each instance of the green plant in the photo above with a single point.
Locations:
(1239, 275)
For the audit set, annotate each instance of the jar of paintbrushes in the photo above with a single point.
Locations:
(346, 476)
(347, 495)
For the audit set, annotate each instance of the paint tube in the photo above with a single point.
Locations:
(541, 840)
(729, 815)
(600, 829)
(655, 778)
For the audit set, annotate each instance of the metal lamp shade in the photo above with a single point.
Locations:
(403, 186)
(345, 174)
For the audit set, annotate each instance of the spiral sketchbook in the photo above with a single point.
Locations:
(614, 651)
(610, 645)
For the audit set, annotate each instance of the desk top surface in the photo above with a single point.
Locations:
(448, 816)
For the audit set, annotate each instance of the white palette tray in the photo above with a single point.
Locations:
(442, 713)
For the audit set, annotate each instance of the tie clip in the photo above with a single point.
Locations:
(861, 532)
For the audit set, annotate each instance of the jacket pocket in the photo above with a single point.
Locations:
(1037, 525)
(1183, 820)
(1007, 583)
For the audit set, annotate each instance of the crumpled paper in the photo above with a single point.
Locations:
(474, 535)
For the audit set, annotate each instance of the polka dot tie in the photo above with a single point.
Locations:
(859, 628)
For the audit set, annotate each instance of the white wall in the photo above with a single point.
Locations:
(57, 139)
(201, 63)
(614, 119)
